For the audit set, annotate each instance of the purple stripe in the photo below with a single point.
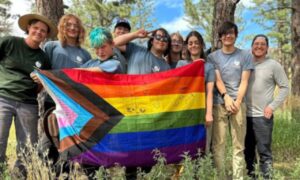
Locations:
(138, 158)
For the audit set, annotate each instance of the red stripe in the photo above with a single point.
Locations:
(178, 85)
(195, 69)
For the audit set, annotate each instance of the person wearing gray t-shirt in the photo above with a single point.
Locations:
(233, 67)
(195, 52)
(142, 60)
(64, 53)
(267, 75)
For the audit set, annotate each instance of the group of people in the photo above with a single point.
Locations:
(239, 85)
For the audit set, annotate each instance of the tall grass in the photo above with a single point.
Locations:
(286, 153)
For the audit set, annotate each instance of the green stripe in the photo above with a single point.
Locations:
(160, 121)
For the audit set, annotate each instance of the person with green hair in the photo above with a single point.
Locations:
(109, 58)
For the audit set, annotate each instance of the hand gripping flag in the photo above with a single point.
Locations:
(106, 118)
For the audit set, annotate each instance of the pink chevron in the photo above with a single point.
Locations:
(66, 119)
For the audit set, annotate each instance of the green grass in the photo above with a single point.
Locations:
(12, 145)
(286, 153)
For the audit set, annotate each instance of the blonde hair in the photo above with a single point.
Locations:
(62, 29)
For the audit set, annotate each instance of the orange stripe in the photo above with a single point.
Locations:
(175, 85)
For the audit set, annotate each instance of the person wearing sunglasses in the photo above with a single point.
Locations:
(142, 60)
(175, 53)
(195, 52)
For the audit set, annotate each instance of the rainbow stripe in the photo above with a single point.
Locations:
(105, 118)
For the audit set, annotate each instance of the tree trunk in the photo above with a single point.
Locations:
(223, 11)
(296, 47)
(53, 9)
(296, 58)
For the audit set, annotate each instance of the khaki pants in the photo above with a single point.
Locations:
(209, 134)
(237, 123)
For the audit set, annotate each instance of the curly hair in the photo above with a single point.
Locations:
(62, 29)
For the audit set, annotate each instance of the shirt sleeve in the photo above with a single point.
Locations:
(181, 63)
(48, 48)
(281, 81)
(111, 66)
(248, 63)
(210, 75)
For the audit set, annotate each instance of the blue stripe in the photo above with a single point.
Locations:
(83, 116)
(137, 141)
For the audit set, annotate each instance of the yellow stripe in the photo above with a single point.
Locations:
(132, 106)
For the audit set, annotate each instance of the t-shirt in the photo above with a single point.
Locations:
(142, 61)
(267, 75)
(209, 72)
(67, 56)
(231, 67)
(17, 61)
(110, 65)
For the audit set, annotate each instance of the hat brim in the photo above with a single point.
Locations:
(124, 24)
(24, 20)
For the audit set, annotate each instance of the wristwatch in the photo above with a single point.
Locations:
(223, 95)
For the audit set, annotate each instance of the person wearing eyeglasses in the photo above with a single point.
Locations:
(176, 49)
(195, 52)
(267, 75)
(66, 52)
(142, 60)
(233, 67)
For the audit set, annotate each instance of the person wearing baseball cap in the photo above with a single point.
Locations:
(122, 27)
(18, 91)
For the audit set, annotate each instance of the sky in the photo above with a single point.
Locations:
(169, 15)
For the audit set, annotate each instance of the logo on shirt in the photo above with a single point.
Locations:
(237, 63)
(38, 64)
(79, 59)
(155, 69)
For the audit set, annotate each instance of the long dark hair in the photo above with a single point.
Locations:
(200, 39)
(166, 34)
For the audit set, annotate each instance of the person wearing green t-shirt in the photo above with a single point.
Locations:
(18, 91)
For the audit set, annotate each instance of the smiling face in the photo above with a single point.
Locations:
(176, 44)
(194, 46)
(260, 48)
(120, 30)
(160, 42)
(105, 51)
(228, 38)
(72, 28)
(37, 32)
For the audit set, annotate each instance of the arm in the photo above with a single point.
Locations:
(229, 103)
(209, 103)
(242, 90)
(124, 39)
(92, 69)
(281, 81)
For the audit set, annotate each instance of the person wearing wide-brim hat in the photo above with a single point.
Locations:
(18, 57)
